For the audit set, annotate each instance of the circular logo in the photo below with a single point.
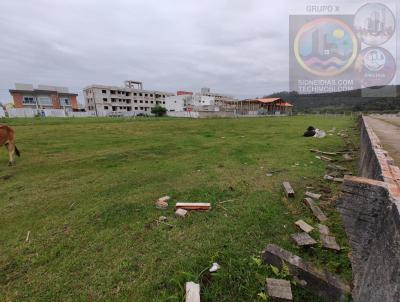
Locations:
(325, 47)
(376, 67)
(374, 24)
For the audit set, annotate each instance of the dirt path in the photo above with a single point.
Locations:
(387, 128)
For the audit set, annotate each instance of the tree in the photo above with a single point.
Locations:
(158, 110)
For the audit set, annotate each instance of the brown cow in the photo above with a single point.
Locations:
(7, 138)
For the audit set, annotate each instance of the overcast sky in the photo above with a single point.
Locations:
(239, 47)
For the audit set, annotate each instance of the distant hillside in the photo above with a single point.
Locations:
(340, 101)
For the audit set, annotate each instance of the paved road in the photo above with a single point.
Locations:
(387, 128)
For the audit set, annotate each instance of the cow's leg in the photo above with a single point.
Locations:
(11, 154)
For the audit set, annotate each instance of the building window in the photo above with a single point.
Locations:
(128, 94)
(29, 100)
(152, 102)
(135, 101)
(114, 108)
(128, 101)
(141, 108)
(105, 107)
(104, 99)
(65, 102)
(163, 102)
(151, 95)
(44, 100)
(145, 108)
(112, 91)
(145, 94)
(146, 102)
(113, 100)
(140, 94)
(104, 91)
(134, 93)
(129, 109)
(141, 101)
(136, 108)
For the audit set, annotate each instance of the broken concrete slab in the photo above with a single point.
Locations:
(161, 205)
(312, 195)
(321, 282)
(336, 167)
(303, 239)
(288, 189)
(338, 179)
(279, 289)
(315, 209)
(181, 213)
(304, 226)
(192, 292)
(193, 206)
(329, 242)
(323, 229)
(164, 198)
(347, 157)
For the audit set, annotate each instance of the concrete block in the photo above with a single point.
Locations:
(279, 289)
(321, 282)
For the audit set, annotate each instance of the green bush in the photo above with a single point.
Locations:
(158, 110)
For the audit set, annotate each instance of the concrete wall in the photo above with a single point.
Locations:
(370, 211)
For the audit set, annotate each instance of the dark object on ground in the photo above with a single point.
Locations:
(310, 132)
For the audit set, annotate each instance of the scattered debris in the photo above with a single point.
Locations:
(303, 239)
(323, 283)
(225, 201)
(192, 292)
(336, 167)
(164, 198)
(319, 133)
(335, 179)
(163, 222)
(309, 132)
(288, 189)
(162, 203)
(347, 157)
(323, 229)
(313, 195)
(329, 242)
(279, 289)
(72, 206)
(27, 236)
(269, 174)
(323, 152)
(193, 206)
(304, 226)
(324, 158)
(181, 213)
(315, 209)
(214, 267)
(162, 218)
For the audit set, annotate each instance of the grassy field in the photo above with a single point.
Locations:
(85, 189)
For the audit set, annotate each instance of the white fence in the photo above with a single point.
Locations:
(29, 112)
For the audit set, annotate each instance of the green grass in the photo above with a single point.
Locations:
(106, 246)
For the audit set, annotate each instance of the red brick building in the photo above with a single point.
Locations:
(44, 97)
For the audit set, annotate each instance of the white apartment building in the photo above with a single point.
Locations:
(131, 99)
(203, 101)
